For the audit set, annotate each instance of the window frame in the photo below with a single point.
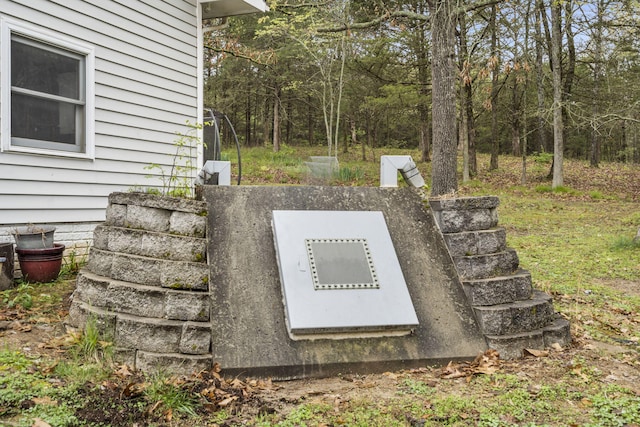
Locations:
(43, 39)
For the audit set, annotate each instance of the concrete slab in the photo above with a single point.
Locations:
(249, 333)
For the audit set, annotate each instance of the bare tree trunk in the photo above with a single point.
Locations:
(422, 49)
(495, 141)
(558, 123)
(470, 166)
(309, 122)
(542, 126)
(276, 119)
(444, 170)
(598, 58)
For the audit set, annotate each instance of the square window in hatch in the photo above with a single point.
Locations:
(341, 264)
(340, 275)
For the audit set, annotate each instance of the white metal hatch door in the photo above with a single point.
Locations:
(340, 275)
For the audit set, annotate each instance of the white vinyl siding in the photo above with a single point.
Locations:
(145, 91)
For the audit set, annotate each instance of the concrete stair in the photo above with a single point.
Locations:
(146, 283)
(510, 313)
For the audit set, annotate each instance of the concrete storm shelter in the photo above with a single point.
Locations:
(291, 282)
(309, 281)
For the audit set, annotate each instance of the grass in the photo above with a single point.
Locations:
(576, 240)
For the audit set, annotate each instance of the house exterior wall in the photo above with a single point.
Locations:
(146, 89)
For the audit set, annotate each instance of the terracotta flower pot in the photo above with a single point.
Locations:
(41, 265)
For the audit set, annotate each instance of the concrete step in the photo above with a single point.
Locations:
(476, 242)
(516, 317)
(141, 270)
(162, 336)
(176, 363)
(172, 215)
(150, 244)
(141, 300)
(142, 333)
(485, 266)
(557, 332)
(499, 290)
(511, 346)
(465, 214)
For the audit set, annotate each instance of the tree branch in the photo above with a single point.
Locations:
(256, 60)
(406, 14)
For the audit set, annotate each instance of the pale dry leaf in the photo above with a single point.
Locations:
(535, 353)
(46, 401)
(227, 401)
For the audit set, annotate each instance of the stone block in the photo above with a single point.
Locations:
(511, 346)
(188, 224)
(100, 262)
(136, 269)
(125, 240)
(161, 202)
(155, 335)
(499, 290)
(151, 219)
(476, 242)
(557, 332)
(489, 265)
(91, 289)
(116, 215)
(465, 203)
(172, 247)
(81, 313)
(182, 305)
(196, 338)
(456, 221)
(518, 317)
(177, 364)
(101, 237)
(137, 300)
(184, 275)
(125, 356)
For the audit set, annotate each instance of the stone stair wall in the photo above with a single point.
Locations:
(147, 283)
(512, 315)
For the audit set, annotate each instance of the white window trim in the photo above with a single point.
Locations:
(9, 26)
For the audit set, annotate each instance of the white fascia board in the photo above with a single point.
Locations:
(222, 8)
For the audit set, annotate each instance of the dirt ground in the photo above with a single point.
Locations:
(619, 364)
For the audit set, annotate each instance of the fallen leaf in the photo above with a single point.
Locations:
(49, 368)
(22, 328)
(123, 371)
(46, 401)
(557, 347)
(391, 375)
(535, 353)
(227, 401)
(40, 423)
(154, 407)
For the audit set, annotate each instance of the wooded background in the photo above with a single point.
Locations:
(340, 72)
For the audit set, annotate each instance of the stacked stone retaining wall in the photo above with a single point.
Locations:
(511, 313)
(146, 283)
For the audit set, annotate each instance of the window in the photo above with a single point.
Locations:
(47, 93)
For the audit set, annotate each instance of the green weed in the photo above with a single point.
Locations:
(625, 244)
(163, 390)
(615, 407)
(18, 297)
(177, 179)
(72, 264)
(411, 386)
(93, 344)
